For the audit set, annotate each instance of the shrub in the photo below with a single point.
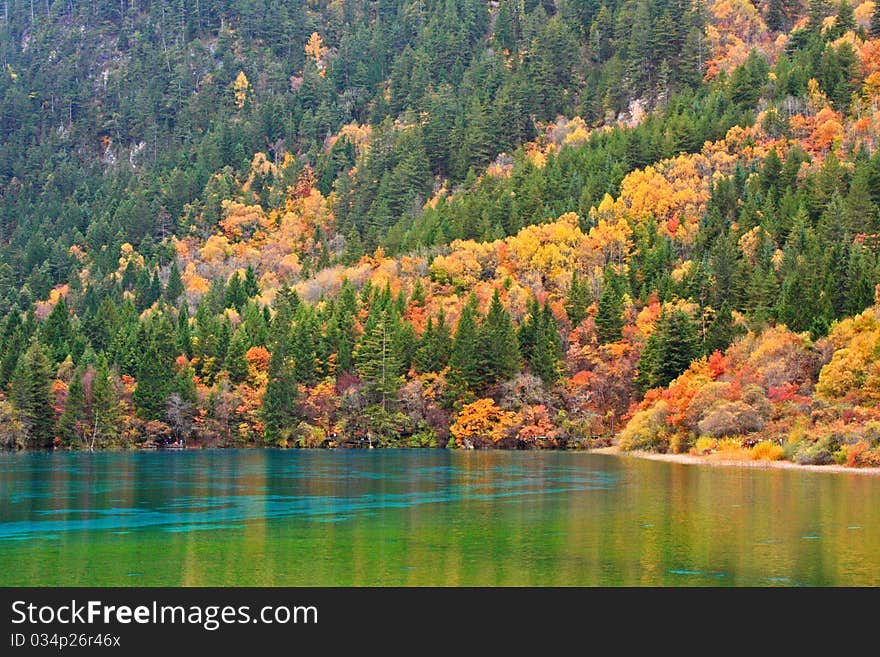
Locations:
(816, 452)
(426, 437)
(680, 442)
(647, 430)
(705, 445)
(861, 455)
(730, 419)
(767, 450)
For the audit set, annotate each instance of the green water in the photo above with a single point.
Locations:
(419, 517)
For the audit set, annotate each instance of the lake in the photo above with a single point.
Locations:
(427, 517)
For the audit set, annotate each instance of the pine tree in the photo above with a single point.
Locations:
(279, 402)
(250, 286)
(772, 170)
(57, 332)
(236, 363)
(721, 332)
(546, 357)
(818, 10)
(577, 300)
(303, 347)
(72, 420)
(776, 15)
(155, 289)
(528, 328)
(669, 350)
(498, 346)
(609, 318)
(235, 295)
(874, 30)
(155, 371)
(184, 334)
(174, 287)
(844, 21)
(378, 365)
(105, 405)
(464, 359)
(31, 395)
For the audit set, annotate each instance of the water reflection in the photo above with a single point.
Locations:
(427, 518)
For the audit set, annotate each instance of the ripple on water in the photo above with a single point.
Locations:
(243, 502)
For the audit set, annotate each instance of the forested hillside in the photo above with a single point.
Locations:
(458, 223)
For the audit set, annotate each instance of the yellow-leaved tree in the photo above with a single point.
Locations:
(241, 87)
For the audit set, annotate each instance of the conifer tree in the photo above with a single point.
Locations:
(464, 359)
(105, 405)
(378, 365)
(31, 395)
(279, 402)
(609, 318)
(577, 300)
(155, 371)
(250, 286)
(174, 287)
(528, 328)
(669, 350)
(303, 347)
(70, 424)
(57, 332)
(498, 346)
(844, 21)
(236, 363)
(235, 294)
(184, 333)
(776, 15)
(721, 331)
(546, 357)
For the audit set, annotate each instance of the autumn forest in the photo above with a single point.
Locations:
(458, 224)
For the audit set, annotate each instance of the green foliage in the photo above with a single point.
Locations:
(498, 348)
(609, 318)
(669, 350)
(31, 395)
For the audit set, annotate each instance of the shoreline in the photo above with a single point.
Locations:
(693, 459)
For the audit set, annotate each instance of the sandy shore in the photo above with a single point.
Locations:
(691, 459)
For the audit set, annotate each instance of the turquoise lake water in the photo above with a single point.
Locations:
(427, 517)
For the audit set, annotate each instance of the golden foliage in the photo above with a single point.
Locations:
(482, 421)
(241, 88)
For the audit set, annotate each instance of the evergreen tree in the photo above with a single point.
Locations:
(609, 318)
(464, 360)
(105, 405)
(174, 287)
(874, 30)
(721, 332)
(528, 328)
(70, 424)
(577, 300)
(279, 402)
(546, 357)
(303, 347)
(378, 365)
(184, 334)
(57, 333)
(250, 286)
(435, 345)
(236, 363)
(669, 350)
(31, 394)
(498, 347)
(235, 294)
(776, 15)
(155, 371)
(844, 21)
